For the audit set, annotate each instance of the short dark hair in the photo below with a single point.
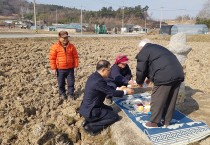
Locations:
(102, 64)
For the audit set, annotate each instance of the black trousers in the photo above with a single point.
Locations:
(62, 76)
(103, 120)
(163, 101)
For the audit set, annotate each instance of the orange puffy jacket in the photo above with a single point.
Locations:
(61, 58)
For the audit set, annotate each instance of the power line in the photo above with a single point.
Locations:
(111, 4)
(172, 9)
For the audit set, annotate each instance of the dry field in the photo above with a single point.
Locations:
(31, 112)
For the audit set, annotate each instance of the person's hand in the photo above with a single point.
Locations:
(75, 71)
(54, 72)
(147, 81)
(140, 85)
(129, 91)
(121, 88)
(131, 82)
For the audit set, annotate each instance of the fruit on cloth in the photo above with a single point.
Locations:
(140, 108)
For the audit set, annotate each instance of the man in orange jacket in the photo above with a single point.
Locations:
(64, 62)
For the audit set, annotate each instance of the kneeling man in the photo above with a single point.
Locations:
(98, 115)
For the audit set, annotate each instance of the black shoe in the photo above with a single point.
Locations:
(90, 131)
(84, 123)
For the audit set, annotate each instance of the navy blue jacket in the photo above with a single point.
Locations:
(120, 77)
(159, 65)
(96, 89)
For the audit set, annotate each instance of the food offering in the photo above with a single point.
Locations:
(140, 105)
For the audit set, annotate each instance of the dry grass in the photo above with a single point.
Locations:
(190, 38)
(198, 38)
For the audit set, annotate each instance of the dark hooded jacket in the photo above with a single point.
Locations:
(120, 77)
(159, 65)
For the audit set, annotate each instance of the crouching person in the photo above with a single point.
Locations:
(98, 115)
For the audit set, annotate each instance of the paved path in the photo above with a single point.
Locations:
(74, 35)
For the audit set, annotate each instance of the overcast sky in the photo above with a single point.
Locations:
(170, 8)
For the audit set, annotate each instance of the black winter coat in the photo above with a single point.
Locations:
(159, 65)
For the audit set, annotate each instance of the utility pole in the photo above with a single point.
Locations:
(161, 15)
(22, 14)
(123, 16)
(81, 20)
(145, 24)
(56, 17)
(35, 16)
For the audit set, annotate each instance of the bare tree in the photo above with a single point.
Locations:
(205, 12)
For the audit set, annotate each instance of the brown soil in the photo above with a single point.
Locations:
(30, 109)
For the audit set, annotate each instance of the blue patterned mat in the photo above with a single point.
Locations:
(182, 130)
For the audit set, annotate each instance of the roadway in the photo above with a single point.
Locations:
(73, 35)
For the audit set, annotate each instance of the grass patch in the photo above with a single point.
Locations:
(198, 38)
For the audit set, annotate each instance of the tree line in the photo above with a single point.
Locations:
(48, 13)
(106, 15)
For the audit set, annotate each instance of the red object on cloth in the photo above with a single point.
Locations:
(121, 59)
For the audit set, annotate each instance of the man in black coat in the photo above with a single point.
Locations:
(160, 66)
(98, 115)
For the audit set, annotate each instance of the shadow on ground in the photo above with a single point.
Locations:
(190, 105)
